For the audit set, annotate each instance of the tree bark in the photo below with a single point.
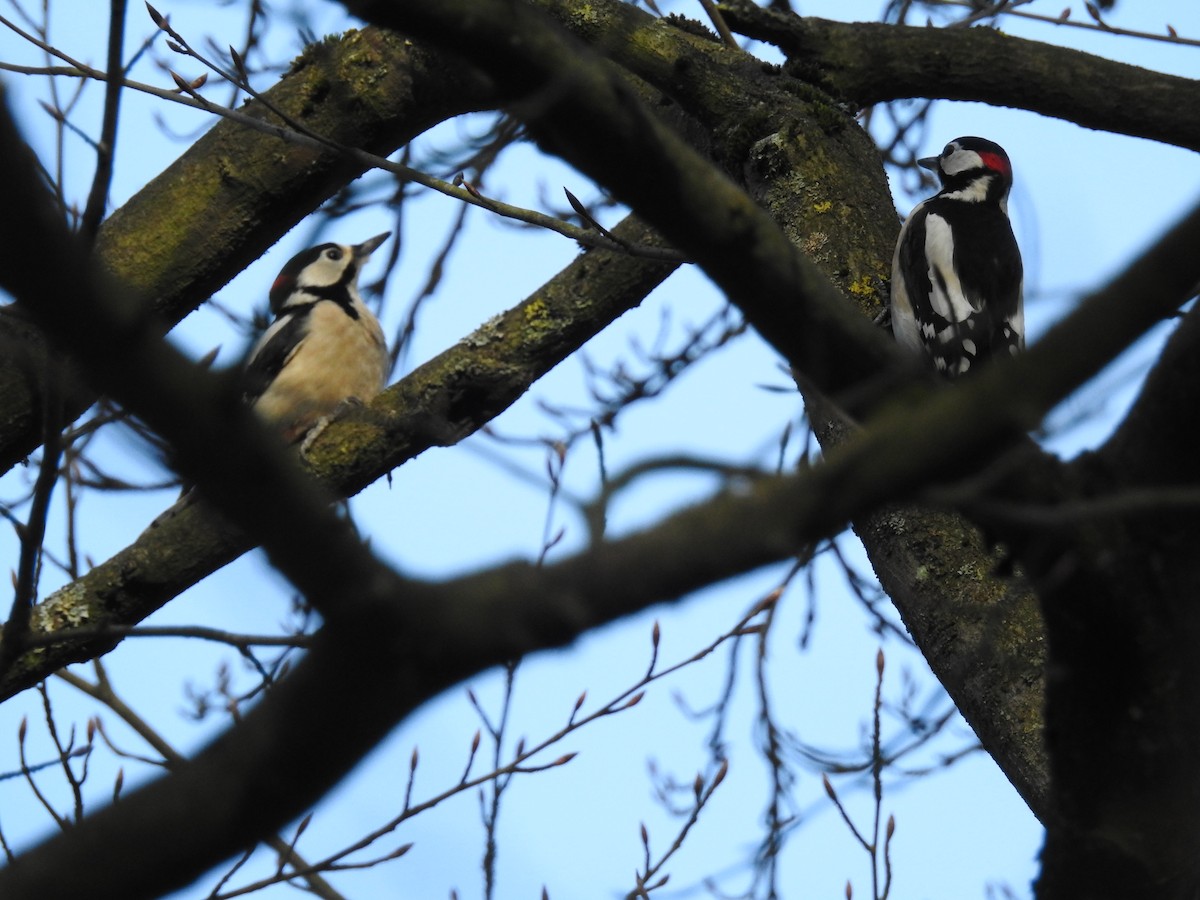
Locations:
(865, 62)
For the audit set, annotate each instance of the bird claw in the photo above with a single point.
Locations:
(313, 433)
(322, 423)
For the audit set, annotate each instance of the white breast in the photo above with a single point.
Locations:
(338, 359)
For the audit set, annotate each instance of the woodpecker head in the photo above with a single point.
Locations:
(322, 272)
(972, 168)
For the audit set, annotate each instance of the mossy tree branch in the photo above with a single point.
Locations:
(865, 62)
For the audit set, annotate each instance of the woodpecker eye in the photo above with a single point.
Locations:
(333, 253)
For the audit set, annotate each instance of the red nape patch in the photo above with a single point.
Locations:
(280, 288)
(995, 162)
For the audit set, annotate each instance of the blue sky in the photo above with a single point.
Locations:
(1084, 204)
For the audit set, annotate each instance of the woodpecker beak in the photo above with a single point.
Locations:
(367, 247)
(929, 162)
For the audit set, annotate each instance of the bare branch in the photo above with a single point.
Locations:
(106, 147)
(867, 63)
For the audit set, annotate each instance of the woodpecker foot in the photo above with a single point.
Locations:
(322, 423)
(313, 433)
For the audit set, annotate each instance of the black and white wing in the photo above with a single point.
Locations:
(274, 349)
(957, 285)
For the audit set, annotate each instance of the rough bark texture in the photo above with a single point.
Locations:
(864, 63)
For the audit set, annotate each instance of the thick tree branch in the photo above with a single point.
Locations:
(865, 62)
(1123, 628)
(1156, 442)
(765, 129)
(438, 404)
(791, 146)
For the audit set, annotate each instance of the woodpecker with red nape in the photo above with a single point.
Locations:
(324, 350)
(956, 273)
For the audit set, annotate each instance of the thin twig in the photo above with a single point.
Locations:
(702, 792)
(1171, 37)
(97, 200)
(519, 764)
(22, 730)
(491, 814)
(88, 633)
(66, 752)
(16, 630)
(103, 691)
(718, 21)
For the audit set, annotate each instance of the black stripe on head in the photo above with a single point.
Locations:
(285, 281)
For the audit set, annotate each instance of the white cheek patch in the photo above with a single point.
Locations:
(322, 272)
(962, 161)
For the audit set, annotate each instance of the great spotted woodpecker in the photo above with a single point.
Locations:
(324, 349)
(956, 273)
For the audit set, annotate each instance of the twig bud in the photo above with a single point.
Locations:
(828, 787)
(156, 17)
